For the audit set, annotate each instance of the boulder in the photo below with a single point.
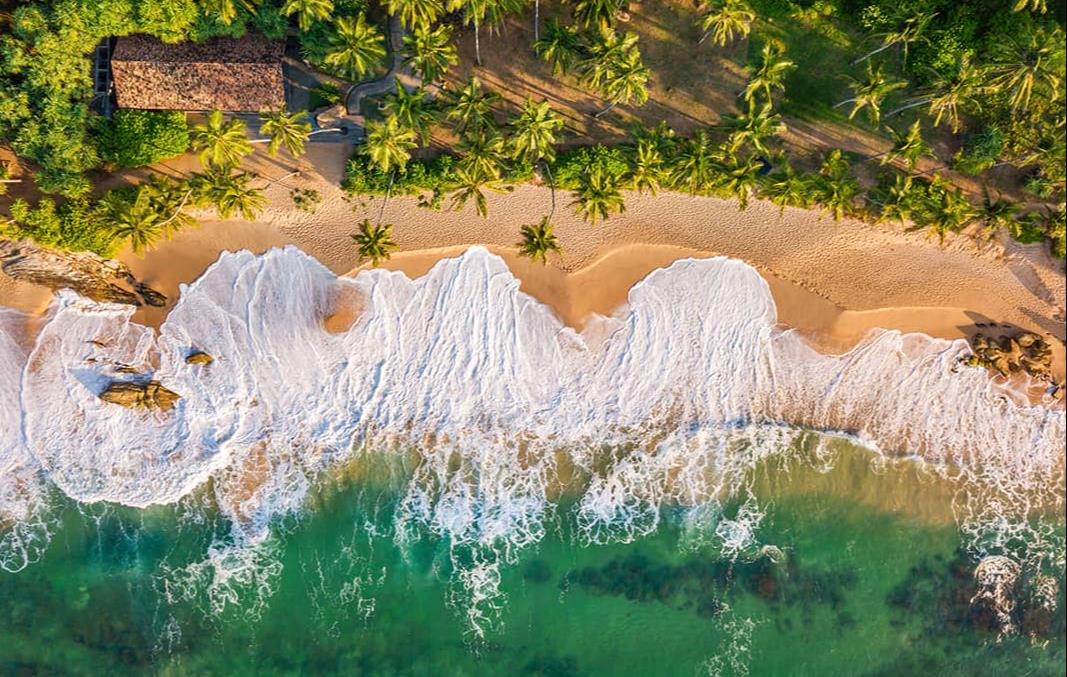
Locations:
(330, 116)
(144, 395)
(86, 273)
(1025, 352)
(199, 357)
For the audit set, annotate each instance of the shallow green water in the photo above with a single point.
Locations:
(867, 582)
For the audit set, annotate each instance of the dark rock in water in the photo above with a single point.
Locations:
(86, 273)
(1012, 354)
(147, 395)
(199, 357)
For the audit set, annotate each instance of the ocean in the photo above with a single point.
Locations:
(457, 484)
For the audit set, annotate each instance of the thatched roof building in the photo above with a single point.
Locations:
(230, 74)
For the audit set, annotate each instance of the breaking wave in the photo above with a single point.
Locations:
(671, 401)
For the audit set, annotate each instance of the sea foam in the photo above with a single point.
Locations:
(693, 385)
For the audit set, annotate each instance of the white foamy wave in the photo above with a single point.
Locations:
(672, 400)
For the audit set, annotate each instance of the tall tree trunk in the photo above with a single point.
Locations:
(388, 190)
(870, 54)
(477, 45)
(605, 110)
(551, 186)
(537, 20)
(914, 104)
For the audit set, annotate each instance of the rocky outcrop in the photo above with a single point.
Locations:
(145, 395)
(199, 357)
(90, 275)
(1026, 352)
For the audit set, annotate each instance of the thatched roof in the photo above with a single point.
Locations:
(231, 74)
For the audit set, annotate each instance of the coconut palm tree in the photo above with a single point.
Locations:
(908, 146)
(767, 75)
(229, 193)
(470, 185)
(471, 108)
(482, 153)
(786, 188)
(910, 28)
(598, 14)
(560, 47)
(696, 164)
(899, 200)
(412, 110)
(356, 47)
(1022, 66)
(738, 176)
(836, 189)
(285, 129)
(534, 132)
(430, 51)
(1036, 6)
(388, 144)
(416, 14)
(627, 83)
(997, 213)
(869, 93)
(538, 241)
(308, 11)
(374, 242)
(169, 199)
(752, 128)
(951, 91)
(474, 14)
(218, 142)
(598, 195)
(226, 10)
(723, 19)
(646, 167)
(603, 53)
(949, 211)
(133, 219)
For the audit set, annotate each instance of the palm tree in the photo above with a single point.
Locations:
(836, 189)
(482, 153)
(627, 83)
(474, 14)
(909, 29)
(356, 47)
(948, 212)
(769, 74)
(226, 10)
(997, 213)
(1037, 6)
(534, 132)
(388, 144)
(416, 15)
(220, 143)
(169, 199)
(725, 18)
(1021, 66)
(898, 201)
(472, 108)
(753, 128)
(908, 146)
(646, 169)
(739, 177)
(430, 51)
(560, 47)
(412, 110)
(229, 193)
(696, 164)
(134, 220)
(470, 185)
(598, 195)
(538, 241)
(374, 242)
(949, 92)
(870, 93)
(600, 58)
(308, 11)
(599, 14)
(285, 129)
(787, 188)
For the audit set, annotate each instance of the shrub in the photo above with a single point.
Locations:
(134, 138)
(980, 151)
(569, 165)
(75, 225)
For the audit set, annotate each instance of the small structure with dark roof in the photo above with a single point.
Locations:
(230, 74)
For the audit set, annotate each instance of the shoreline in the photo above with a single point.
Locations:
(833, 282)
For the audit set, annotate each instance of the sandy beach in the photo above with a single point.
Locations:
(832, 281)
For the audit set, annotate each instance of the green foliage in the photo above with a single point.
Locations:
(571, 164)
(134, 138)
(326, 94)
(76, 225)
(980, 151)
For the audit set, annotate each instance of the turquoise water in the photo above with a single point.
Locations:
(850, 572)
